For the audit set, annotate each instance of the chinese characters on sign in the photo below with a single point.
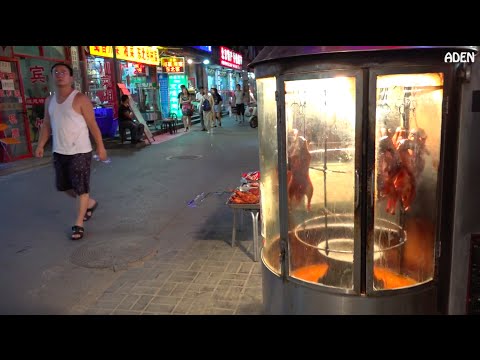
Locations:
(173, 65)
(105, 51)
(174, 88)
(35, 101)
(76, 68)
(37, 74)
(230, 58)
(141, 54)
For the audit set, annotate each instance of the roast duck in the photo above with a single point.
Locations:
(251, 196)
(400, 163)
(298, 178)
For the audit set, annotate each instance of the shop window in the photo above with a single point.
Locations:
(54, 52)
(27, 50)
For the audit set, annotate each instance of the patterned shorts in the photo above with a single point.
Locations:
(73, 172)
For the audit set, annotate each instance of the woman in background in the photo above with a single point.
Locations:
(187, 108)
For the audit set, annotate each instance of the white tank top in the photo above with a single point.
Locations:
(69, 129)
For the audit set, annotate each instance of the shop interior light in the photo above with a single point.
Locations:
(190, 61)
(206, 61)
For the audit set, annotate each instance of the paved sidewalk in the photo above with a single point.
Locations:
(207, 277)
(145, 250)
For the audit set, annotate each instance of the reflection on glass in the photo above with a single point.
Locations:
(408, 131)
(267, 132)
(320, 120)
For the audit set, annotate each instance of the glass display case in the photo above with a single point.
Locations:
(352, 180)
(148, 100)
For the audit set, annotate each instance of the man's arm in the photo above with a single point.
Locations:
(127, 112)
(45, 131)
(86, 109)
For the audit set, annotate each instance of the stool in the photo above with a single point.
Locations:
(170, 123)
(7, 143)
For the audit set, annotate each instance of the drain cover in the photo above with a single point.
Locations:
(111, 255)
(185, 157)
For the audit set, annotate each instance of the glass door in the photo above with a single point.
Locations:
(323, 153)
(404, 158)
(14, 131)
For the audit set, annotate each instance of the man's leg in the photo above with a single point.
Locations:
(202, 121)
(80, 178)
(133, 131)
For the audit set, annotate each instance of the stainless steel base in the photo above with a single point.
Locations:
(291, 298)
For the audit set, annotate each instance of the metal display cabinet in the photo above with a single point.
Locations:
(357, 156)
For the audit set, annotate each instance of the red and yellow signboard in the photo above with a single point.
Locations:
(105, 51)
(140, 54)
(175, 65)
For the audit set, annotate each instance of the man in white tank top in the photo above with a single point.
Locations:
(68, 118)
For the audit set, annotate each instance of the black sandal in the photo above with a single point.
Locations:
(91, 210)
(77, 232)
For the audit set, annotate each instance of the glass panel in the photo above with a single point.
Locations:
(13, 131)
(320, 120)
(267, 132)
(408, 134)
(27, 50)
(101, 85)
(37, 83)
(54, 52)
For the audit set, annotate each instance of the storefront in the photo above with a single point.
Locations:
(35, 65)
(136, 67)
(14, 133)
(226, 74)
(26, 83)
(171, 78)
(101, 78)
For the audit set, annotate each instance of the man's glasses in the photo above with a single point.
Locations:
(62, 73)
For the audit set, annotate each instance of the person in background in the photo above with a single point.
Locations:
(238, 96)
(180, 94)
(69, 118)
(208, 113)
(217, 107)
(249, 98)
(187, 109)
(199, 99)
(127, 120)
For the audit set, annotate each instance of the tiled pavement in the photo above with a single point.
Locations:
(207, 277)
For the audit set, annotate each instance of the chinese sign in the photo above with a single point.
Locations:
(203, 48)
(163, 88)
(173, 64)
(141, 54)
(174, 83)
(35, 101)
(5, 67)
(105, 51)
(37, 74)
(230, 58)
(76, 68)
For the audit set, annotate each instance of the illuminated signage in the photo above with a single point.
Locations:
(140, 54)
(175, 83)
(175, 65)
(230, 58)
(203, 48)
(104, 51)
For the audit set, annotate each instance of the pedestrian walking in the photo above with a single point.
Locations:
(217, 107)
(187, 108)
(239, 105)
(69, 117)
(199, 99)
